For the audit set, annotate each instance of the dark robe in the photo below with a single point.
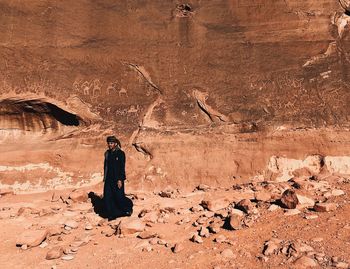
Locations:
(116, 204)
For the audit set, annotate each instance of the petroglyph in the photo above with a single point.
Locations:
(201, 98)
(142, 71)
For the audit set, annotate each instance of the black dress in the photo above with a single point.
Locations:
(116, 204)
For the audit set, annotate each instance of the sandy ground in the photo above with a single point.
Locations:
(328, 235)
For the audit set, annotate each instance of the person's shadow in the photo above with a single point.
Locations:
(99, 207)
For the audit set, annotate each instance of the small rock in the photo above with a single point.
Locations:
(203, 187)
(88, 227)
(271, 247)
(108, 231)
(43, 244)
(273, 207)
(31, 238)
(55, 197)
(238, 212)
(310, 217)
(54, 253)
(204, 232)
(147, 235)
(178, 247)
(292, 212)
(197, 239)
(304, 202)
(153, 241)
(215, 204)
(67, 257)
(337, 192)
(24, 247)
(344, 265)
(289, 199)
(305, 262)
(317, 239)
(71, 224)
(235, 222)
(78, 196)
(246, 206)
(228, 254)
(263, 196)
(325, 207)
(131, 226)
(4, 192)
(220, 238)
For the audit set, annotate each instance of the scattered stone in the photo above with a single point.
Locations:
(203, 187)
(197, 239)
(71, 224)
(78, 196)
(317, 239)
(289, 199)
(235, 222)
(54, 230)
(55, 197)
(151, 217)
(162, 242)
(67, 257)
(292, 212)
(228, 254)
(310, 217)
(196, 208)
(325, 207)
(304, 202)
(344, 265)
(108, 231)
(88, 227)
(178, 247)
(238, 212)
(246, 206)
(305, 262)
(43, 244)
(31, 238)
(271, 247)
(214, 228)
(4, 192)
(54, 253)
(131, 226)
(215, 204)
(263, 196)
(220, 238)
(273, 207)
(24, 211)
(153, 241)
(147, 235)
(204, 232)
(337, 192)
(24, 247)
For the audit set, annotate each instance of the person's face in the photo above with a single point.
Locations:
(112, 145)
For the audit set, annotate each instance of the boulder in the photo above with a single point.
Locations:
(31, 238)
(289, 199)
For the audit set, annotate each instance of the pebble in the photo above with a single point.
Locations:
(67, 257)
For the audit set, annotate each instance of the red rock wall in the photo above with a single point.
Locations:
(164, 76)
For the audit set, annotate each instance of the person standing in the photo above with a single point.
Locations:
(114, 177)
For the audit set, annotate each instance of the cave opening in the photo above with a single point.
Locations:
(35, 116)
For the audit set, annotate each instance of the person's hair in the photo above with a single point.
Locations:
(113, 139)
